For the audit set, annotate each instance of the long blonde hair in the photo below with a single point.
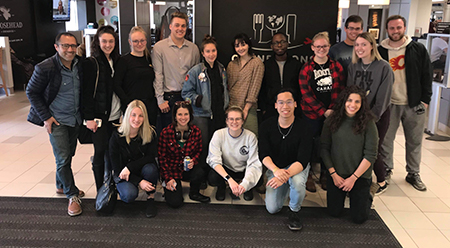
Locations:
(139, 29)
(374, 54)
(146, 131)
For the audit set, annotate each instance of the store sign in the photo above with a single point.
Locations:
(15, 22)
(299, 20)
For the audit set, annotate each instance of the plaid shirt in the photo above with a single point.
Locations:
(311, 106)
(171, 155)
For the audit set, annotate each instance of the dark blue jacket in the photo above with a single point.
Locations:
(44, 86)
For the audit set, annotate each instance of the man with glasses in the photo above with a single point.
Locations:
(342, 51)
(281, 71)
(54, 94)
(285, 144)
(172, 58)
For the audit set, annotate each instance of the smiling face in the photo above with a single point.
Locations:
(320, 48)
(178, 28)
(241, 48)
(182, 117)
(235, 120)
(210, 53)
(352, 105)
(285, 104)
(138, 42)
(66, 54)
(352, 31)
(363, 48)
(107, 43)
(396, 29)
(136, 118)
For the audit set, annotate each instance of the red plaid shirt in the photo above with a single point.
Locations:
(311, 106)
(171, 155)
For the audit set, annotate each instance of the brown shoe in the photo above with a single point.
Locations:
(61, 192)
(74, 208)
(310, 185)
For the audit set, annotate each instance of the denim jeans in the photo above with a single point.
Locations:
(295, 186)
(128, 191)
(64, 142)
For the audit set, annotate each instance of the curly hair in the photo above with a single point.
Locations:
(95, 44)
(362, 117)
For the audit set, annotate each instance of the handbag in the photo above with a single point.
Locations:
(106, 198)
(85, 134)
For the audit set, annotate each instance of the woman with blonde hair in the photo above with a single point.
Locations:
(321, 81)
(133, 152)
(375, 76)
(134, 75)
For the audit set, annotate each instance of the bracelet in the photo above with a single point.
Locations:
(332, 173)
(355, 176)
(274, 170)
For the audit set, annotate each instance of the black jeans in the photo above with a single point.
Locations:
(360, 199)
(195, 176)
(101, 155)
(217, 180)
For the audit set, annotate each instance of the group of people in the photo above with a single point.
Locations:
(164, 116)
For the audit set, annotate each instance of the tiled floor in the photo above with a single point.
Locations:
(417, 219)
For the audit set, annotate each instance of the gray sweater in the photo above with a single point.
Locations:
(376, 81)
(237, 154)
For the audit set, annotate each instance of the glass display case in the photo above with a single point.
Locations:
(438, 48)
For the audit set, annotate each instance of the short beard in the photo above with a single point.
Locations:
(401, 37)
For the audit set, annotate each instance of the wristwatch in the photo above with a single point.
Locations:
(227, 177)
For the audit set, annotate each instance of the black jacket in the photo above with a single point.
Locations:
(419, 73)
(134, 156)
(44, 86)
(271, 84)
(100, 106)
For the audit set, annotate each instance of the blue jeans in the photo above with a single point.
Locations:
(64, 142)
(128, 191)
(296, 186)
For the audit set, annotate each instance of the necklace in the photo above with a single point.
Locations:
(365, 69)
(289, 131)
(321, 67)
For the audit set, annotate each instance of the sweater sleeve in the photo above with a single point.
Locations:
(215, 150)
(255, 84)
(383, 95)
(118, 81)
(325, 145)
(89, 80)
(371, 142)
(197, 145)
(253, 170)
(426, 77)
(162, 156)
(338, 82)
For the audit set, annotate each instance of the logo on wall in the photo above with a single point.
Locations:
(264, 27)
(8, 27)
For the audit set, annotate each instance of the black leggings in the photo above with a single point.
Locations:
(175, 198)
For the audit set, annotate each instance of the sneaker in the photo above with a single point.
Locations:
(220, 194)
(294, 221)
(415, 181)
(199, 197)
(151, 209)
(310, 185)
(61, 192)
(381, 189)
(74, 208)
(248, 196)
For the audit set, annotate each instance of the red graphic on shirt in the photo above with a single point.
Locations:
(397, 63)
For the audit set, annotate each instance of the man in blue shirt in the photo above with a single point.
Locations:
(54, 94)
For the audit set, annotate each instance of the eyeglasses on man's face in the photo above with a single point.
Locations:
(277, 43)
(66, 46)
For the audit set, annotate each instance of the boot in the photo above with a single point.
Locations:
(310, 185)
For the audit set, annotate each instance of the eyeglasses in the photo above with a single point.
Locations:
(354, 29)
(289, 103)
(139, 41)
(234, 119)
(321, 47)
(66, 46)
(276, 43)
(183, 103)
